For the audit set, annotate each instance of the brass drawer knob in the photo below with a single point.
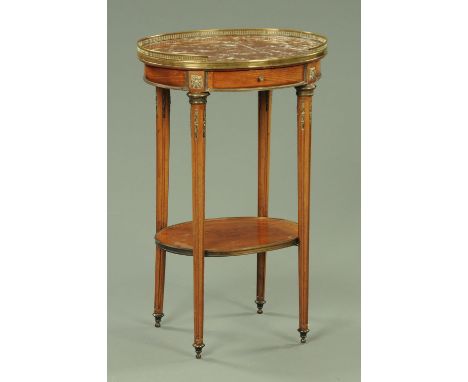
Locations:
(260, 79)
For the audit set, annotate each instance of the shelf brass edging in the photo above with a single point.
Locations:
(247, 251)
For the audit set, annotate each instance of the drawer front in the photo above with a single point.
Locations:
(166, 77)
(258, 78)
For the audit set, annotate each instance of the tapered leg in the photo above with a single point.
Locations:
(304, 140)
(162, 189)
(264, 123)
(198, 134)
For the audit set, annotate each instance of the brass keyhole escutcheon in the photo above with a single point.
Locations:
(260, 79)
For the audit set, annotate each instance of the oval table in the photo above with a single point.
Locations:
(205, 61)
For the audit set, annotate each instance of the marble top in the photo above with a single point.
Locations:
(231, 48)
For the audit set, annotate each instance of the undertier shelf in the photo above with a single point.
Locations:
(231, 236)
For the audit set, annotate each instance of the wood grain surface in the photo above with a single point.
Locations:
(231, 236)
(162, 188)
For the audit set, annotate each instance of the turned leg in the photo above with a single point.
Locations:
(264, 123)
(162, 189)
(304, 140)
(198, 134)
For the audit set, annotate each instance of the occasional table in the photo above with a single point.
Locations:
(205, 61)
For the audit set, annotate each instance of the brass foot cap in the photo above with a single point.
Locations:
(157, 319)
(303, 334)
(260, 304)
(198, 350)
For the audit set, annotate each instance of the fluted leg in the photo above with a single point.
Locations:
(198, 135)
(162, 189)
(304, 140)
(264, 123)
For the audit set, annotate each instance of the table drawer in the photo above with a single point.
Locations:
(260, 78)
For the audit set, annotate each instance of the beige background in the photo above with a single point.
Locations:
(240, 345)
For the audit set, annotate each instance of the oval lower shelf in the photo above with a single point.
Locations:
(231, 236)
